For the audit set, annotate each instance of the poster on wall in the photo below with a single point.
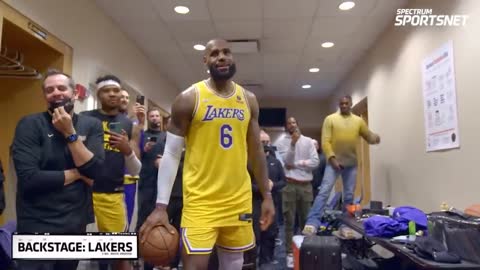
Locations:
(440, 100)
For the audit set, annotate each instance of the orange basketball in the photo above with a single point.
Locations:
(160, 247)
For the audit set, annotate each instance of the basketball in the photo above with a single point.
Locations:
(160, 247)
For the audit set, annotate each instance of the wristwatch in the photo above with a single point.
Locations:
(72, 138)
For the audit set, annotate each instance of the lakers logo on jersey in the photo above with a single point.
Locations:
(213, 113)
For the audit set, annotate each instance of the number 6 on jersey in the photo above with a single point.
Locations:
(226, 139)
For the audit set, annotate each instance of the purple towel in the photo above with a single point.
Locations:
(405, 214)
(382, 226)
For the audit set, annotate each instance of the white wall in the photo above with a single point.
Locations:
(99, 46)
(390, 75)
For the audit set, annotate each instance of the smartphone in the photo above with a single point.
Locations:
(67, 105)
(153, 139)
(115, 127)
(141, 99)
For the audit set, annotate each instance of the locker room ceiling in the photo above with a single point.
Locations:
(290, 34)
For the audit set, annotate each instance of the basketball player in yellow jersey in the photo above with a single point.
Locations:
(217, 121)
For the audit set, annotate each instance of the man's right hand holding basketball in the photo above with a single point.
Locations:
(158, 217)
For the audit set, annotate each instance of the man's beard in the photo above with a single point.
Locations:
(154, 125)
(220, 76)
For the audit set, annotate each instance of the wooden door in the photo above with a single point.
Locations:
(363, 154)
(19, 97)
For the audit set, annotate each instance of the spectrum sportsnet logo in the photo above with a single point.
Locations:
(424, 17)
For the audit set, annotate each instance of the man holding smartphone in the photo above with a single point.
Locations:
(154, 132)
(300, 158)
(153, 146)
(108, 197)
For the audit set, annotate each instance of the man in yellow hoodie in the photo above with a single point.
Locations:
(340, 134)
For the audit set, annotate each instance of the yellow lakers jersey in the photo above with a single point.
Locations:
(216, 185)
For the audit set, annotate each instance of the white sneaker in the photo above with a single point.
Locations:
(309, 230)
(290, 260)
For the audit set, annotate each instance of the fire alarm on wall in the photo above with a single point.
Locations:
(81, 91)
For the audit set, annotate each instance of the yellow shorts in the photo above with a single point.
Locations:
(128, 179)
(110, 212)
(232, 239)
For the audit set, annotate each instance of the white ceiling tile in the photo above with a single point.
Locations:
(319, 80)
(196, 64)
(187, 47)
(154, 41)
(127, 9)
(235, 9)
(152, 45)
(351, 54)
(245, 29)
(362, 8)
(138, 17)
(290, 39)
(278, 79)
(192, 30)
(281, 9)
(304, 75)
(319, 87)
(198, 10)
(324, 64)
(249, 62)
(286, 28)
(379, 20)
(316, 53)
(278, 45)
(335, 27)
(388, 8)
(280, 62)
(175, 68)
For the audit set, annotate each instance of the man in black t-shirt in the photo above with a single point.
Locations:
(108, 197)
(154, 132)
